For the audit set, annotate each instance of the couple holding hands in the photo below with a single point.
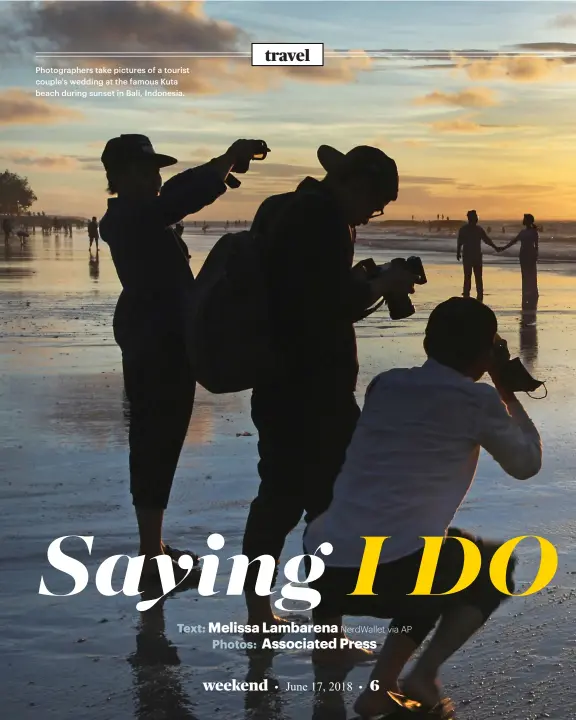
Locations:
(470, 238)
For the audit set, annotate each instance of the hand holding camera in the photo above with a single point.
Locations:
(395, 281)
(240, 154)
(509, 375)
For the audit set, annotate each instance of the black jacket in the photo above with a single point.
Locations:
(313, 299)
(149, 258)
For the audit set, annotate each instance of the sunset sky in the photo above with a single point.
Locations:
(476, 101)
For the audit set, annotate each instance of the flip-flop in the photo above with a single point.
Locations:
(444, 710)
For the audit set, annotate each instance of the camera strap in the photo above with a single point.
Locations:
(539, 398)
(371, 310)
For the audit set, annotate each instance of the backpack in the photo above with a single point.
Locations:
(228, 328)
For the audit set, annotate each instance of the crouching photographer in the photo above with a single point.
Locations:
(149, 319)
(409, 467)
(305, 417)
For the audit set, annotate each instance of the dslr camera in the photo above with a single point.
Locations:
(512, 373)
(399, 306)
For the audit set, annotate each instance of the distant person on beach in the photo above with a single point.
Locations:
(93, 233)
(408, 469)
(305, 419)
(469, 248)
(528, 238)
(149, 323)
(7, 228)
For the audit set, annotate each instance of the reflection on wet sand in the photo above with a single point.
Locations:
(529, 335)
(94, 408)
(258, 704)
(94, 266)
(159, 694)
(329, 703)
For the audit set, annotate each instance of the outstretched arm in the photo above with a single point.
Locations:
(512, 242)
(489, 240)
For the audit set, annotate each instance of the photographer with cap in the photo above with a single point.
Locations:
(149, 318)
(305, 419)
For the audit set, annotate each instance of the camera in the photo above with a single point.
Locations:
(511, 372)
(251, 150)
(399, 306)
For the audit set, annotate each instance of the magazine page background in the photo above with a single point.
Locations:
(490, 128)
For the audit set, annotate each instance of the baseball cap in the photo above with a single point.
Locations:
(130, 148)
(363, 159)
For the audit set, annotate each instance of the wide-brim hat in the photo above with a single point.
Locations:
(133, 148)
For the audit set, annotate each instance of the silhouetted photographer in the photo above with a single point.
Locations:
(305, 414)
(409, 467)
(156, 279)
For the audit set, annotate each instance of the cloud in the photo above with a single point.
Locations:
(521, 68)
(544, 47)
(473, 97)
(520, 188)
(458, 125)
(31, 158)
(22, 107)
(154, 26)
(416, 142)
(424, 180)
(564, 21)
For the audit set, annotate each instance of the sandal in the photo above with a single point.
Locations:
(176, 554)
(444, 710)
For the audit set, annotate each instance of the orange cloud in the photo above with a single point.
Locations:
(37, 161)
(521, 68)
(458, 125)
(473, 97)
(19, 106)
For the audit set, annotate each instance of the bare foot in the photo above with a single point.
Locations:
(151, 574)
(176, 554)
(372, 703)
(423, 688)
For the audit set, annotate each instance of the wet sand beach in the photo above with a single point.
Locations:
(64, 471)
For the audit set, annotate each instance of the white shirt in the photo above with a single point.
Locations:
(413, 458)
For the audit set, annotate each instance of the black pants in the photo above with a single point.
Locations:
(302, 446)
(414, 615)
(160, 388)
(476, 268)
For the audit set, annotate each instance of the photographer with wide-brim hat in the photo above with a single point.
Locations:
(149, 318)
